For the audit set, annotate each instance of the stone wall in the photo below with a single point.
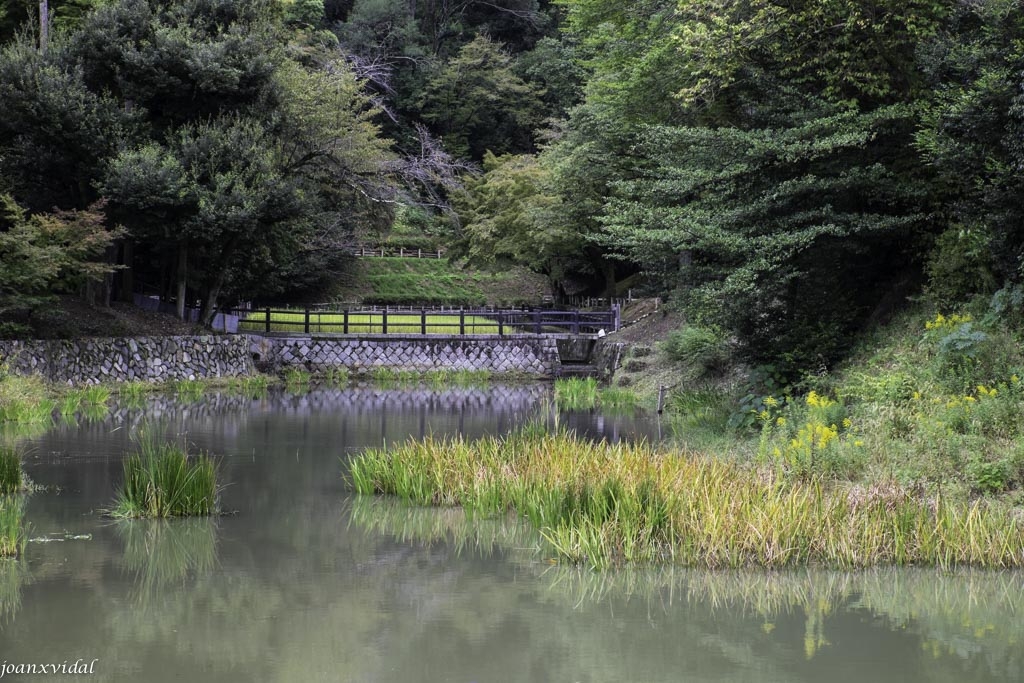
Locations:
(524, 354)
(90, 361)
(94, 360)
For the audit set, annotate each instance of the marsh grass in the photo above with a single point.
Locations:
(603, 504)
(576, 393)
(583, 393)
(12, 528)
(370, 323)
(162, 480)
(336, 376)
(95, 395)
(25, 400)
(296, 378)
(12, 476)
(189, 390)
(134, 393)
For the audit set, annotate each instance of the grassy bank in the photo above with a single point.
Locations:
(601, 504)
(412, 281)
(162, 480)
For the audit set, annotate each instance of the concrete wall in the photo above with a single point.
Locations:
(94, 360)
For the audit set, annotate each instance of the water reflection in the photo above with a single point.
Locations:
(162, 554)
(307, 583)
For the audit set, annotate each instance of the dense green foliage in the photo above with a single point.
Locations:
(784, 172)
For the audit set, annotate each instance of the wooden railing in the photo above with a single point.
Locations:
(400, 252)
(450, 323)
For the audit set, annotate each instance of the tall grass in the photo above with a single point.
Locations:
(12, 477)
(190, 390)
(162, 480)
(12, 527)
(576, 393)
(601, 504)
(583, 393)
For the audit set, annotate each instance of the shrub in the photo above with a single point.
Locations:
(701, 349)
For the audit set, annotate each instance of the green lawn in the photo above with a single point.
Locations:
(368, 323)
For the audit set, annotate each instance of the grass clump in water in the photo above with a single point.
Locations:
(601, 504)
(12, 476)
(12, 527)
(163, 480)
(583, 393)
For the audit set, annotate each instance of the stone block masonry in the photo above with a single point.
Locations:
(156, 359)
(515, 354)
(151, 359)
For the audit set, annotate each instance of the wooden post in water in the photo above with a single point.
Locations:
(661, 399)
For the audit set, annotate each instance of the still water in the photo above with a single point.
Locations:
(306, 582)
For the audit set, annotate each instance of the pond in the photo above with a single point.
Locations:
(306, 582)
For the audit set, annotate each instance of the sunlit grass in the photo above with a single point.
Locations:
(370, 323)
(600, 504)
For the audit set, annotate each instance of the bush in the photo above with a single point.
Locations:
(701, 349)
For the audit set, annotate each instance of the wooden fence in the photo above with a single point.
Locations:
(450, 323)
(400, 252)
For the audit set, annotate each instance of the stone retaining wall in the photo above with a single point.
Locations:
(90, 361)
(524, 354)
(94, 360)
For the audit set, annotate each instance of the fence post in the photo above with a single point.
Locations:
(617, 311)
(501, 324)
(306, 325)
(423, 321)
(462, 322)
(384, 320)
(419, 253)
(401, 252)
(439, 252)
(344, 323)
(268, 319)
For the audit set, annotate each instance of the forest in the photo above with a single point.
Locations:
(783, 172)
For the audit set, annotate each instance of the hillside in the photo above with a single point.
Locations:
(411, 281)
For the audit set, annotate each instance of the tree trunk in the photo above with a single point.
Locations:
(128, 273)
(182, 279)
(209, 308)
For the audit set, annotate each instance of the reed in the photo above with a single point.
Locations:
(576, 393)
(133, 393)
(12, 476)
(162, 480)
(602, 504)
(296, 378)
(336, 375)
(12, 527)
(95, 395)
(190, 390)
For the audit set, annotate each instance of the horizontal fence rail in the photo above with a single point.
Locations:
(450, 323)
(400, 252)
